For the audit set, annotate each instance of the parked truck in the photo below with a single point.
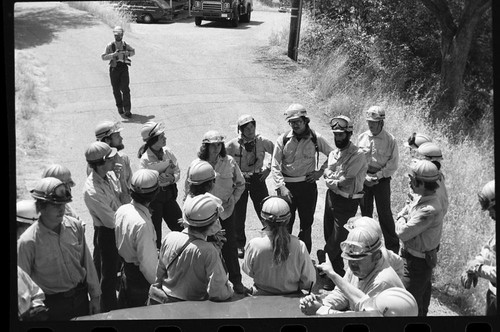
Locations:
(234, 11)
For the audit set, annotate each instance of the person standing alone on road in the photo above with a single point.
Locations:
(382, 155)
(118, 54)
(249, 151)
(293, 168)
(154, 154)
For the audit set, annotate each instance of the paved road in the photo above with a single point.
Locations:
(192, 78)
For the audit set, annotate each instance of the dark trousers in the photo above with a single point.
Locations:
(491, 304)
(381, 192)
(338, 210)
(165, 207)
(107, 258)
(134, 288)
(120, 83)
(230, 251)
(68, 305)
(305, 197)
(417, 280)
(258, 191)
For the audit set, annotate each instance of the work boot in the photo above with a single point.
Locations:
(120, 110)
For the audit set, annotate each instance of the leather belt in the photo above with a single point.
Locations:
(294, 179)
(249, 174)
(415, 253)
(349, 196)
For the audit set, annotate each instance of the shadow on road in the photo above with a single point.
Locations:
(139, 118)
(37, 27)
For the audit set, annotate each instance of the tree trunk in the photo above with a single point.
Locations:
(455, 46)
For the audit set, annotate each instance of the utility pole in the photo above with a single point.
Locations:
(293, 40)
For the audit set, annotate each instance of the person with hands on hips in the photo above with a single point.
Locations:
(484, 264)
(294, 168)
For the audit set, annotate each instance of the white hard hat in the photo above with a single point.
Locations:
(360, 242)
(106, 128)
(244, 119)
(99, 151)
(202, 210)
(417, 139)
(118, 30)
(365, 222)
(144, 181)
(487, 195)
(396, 301)
(59, 172)
(375, 113)
(275, 209)
(295, 111)
(213, 136)
(430, 151)
(201, 171)
(26, 211)
(51, 190)
(151, 129)
(340, 124)
(424, 170)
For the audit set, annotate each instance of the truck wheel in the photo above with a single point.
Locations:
(197, 21)
(246, 18)
(147, 18)
(236, 19)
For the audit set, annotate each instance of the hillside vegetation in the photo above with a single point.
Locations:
(345, 69)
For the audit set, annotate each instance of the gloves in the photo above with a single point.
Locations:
(468, 278)
(219, 238)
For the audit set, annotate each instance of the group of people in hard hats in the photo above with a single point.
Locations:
(382, 266)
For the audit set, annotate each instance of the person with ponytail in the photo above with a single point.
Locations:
(155, 155)
(278, 262)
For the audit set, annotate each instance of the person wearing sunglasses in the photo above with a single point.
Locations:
(154, 154)
(368, 274)
(419, 230)
(484, 264)
(53, 252)
(294, 169)
(249, 150)
(109, 132)
(344, 177)
(101, 196)
(382, 155)
(228, 187)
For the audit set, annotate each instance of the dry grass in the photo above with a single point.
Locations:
(104, 11)
(468, 163)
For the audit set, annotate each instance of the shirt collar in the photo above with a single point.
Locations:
(380, 135)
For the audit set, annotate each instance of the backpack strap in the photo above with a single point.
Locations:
(314, 139)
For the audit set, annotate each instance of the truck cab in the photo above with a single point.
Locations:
(234, 11)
